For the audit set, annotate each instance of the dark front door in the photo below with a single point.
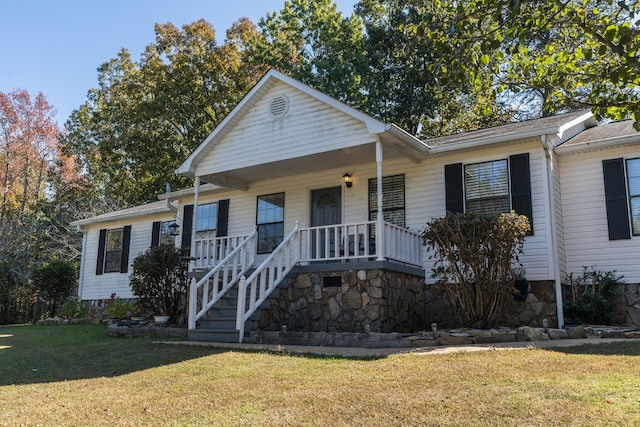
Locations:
(325, 210)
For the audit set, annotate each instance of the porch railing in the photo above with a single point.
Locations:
(210, 249)
(402, 245)
(357, 242)
(266, 278)
(204, 293)
(339, 242)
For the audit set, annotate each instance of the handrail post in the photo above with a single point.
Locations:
(242, 296)
(193, 300)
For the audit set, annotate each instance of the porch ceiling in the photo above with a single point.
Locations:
(345, 158)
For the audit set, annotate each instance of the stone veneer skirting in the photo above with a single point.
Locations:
(380, 300)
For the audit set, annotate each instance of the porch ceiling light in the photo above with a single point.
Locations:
(173, 229)
(347, 180)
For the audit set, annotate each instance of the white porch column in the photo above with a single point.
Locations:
(380, 221)
(195, 217)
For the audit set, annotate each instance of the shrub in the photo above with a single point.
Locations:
(593, 296)
(117, 308)
(159, 280)
(73, 309)
(55, 280)
(474, 258)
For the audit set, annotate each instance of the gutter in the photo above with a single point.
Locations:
(598, 144)
(493, 139)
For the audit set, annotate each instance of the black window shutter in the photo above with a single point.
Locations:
(102, 240)
(520, 181)
(155, 235)
(615, 194)
(454, 187)
(126, 238)
(187, 226)
(223, 218)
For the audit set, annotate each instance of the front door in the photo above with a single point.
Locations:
(325, 210)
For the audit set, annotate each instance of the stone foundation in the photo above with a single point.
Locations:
(381, 301)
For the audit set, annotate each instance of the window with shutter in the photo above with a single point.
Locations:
(633, 177)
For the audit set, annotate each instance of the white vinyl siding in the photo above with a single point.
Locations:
(309, 127)
(95, 287)
(585, 218)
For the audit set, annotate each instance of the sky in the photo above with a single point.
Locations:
(56, 46)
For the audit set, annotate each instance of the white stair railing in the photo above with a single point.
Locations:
(266, 278)
(204, 293)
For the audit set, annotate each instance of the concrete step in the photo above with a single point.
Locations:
(218, 323)
(212, 335)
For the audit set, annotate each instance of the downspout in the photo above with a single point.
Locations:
(553, 229)
(82, 261)
(380, 222)
(170, 206)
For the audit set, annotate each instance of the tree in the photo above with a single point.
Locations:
(146, 117)
(311, 41)
(572, 52)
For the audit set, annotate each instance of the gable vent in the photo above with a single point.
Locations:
(279, 107)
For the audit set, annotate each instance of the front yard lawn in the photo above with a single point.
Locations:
(78, 375)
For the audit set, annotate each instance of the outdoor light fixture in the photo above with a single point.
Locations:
(347, 180)
(173, 229)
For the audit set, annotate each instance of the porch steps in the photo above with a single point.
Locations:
(219, 325)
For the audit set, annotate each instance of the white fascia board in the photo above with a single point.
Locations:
(204, 188)
(598, 144)
(493, 139)
(115, 217)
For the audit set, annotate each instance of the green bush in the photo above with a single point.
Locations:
(474, 261)
(55, 280)
(593, 295)
(73, 309)
(159, 279)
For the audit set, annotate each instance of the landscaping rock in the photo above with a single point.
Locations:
(557, 334)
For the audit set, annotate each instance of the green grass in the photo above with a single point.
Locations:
(78, 375)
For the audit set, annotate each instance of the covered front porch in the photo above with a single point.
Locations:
(228, 273)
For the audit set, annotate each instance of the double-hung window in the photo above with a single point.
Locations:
(622, 197)
(207, 217)
(270, 221)
(113, 251)
(633, 176)
(393, 206)
(487, 187)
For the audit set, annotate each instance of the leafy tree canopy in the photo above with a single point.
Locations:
(146, 117)
(572, 53)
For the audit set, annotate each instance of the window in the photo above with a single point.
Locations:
(270, 222)
(113, 250)
(393, 208)
(207, 217)
(487, 187)
(490, 187)
(622, 197)
(633, 176)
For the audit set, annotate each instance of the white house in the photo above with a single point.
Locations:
(319, 207)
